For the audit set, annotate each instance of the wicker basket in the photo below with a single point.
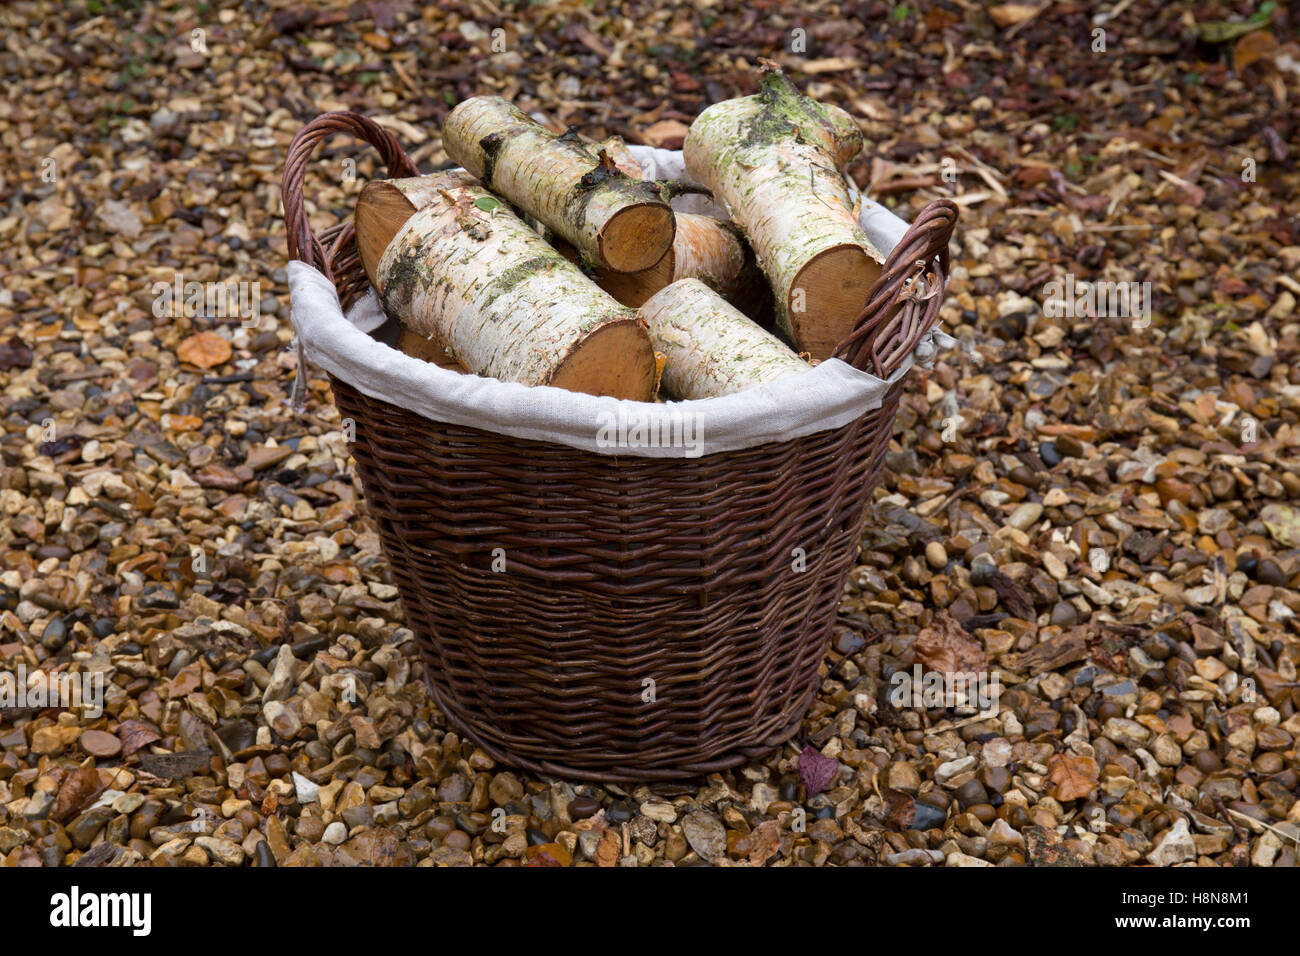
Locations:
(650, 626)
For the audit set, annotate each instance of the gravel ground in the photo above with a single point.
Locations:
(1097, 511)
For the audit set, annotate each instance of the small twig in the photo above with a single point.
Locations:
(959, 493)
(1223, 812)
(36, 268)
(109, 508)
(1267, 826)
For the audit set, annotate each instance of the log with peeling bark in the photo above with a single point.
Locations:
(616, 222)
(775, 161)
(616, 148)
(452, 263)
(711, 347)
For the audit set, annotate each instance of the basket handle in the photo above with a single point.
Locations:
(302, 243)
(904, 302)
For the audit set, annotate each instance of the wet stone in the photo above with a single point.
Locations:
(98, 743)
(581, 808)
(453, 789)
(928, 817)
(55, 635)
(706, 835)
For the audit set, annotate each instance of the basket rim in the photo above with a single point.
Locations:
(824, 397)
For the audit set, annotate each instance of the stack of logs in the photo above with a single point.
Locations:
(547, 260)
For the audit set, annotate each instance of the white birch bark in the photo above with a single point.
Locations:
(501, 301)
(616, 222)
(711, 348)
(774, 160)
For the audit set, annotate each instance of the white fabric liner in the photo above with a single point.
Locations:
(825, 397)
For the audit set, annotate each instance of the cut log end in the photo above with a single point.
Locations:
(827, 297)
(637, 237)
(382, 209)
(633, 288)
(427, 350)
(616, 360)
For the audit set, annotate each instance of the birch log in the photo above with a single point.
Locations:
(453, 264)
(616, 222)
(774, 160)
(703, 248)
(711, 348)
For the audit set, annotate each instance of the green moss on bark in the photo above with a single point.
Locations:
(519, 273)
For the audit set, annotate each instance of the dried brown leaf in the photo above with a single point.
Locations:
(764, 842)
(77, 790)
(1071, 777)
(204, 350)
(665, 134)
(135, 735)
(1009, 14)
(945, 647)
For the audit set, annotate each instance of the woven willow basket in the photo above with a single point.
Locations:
(650, 625)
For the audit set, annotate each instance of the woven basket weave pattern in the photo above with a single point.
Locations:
(616, 570)
(624, 577)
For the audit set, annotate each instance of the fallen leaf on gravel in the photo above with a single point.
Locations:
(1221, 31)
(816, 771)
(764, 842)
(1066, 648)
(1013, 597)
(900, 809)
(204, 349)
(75, 792)
(14, 354)
(135, 735)
(1009, 14)
(1048, 848)
(1252, 47)
(1071, 777)
(705, 833)
(947, 648)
